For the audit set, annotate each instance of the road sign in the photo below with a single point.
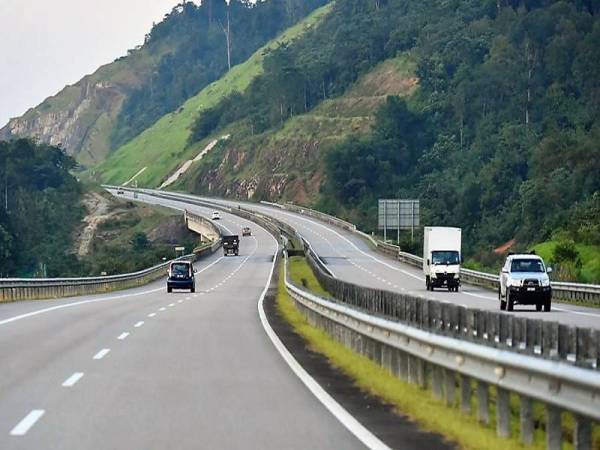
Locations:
(179, 249)
(398, 215)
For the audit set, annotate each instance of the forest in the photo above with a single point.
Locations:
(206, 40)
(502, 138)
(40, 210)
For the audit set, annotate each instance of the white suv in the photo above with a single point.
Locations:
(216, 215)
(524, 280)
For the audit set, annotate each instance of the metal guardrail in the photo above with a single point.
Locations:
(566, 291)
(15, 289)
(431, 343)
(427, 358)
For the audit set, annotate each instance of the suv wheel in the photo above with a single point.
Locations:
(547, 305)
(502, 302)
(510, 303)
(169, 289)
(193, 289)
(538, 306)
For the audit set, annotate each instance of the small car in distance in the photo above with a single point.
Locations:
(216, 215)
(120, 191)
(524, 280)
(246, 231)
(181, 276)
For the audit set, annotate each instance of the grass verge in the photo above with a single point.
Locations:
(407, 399)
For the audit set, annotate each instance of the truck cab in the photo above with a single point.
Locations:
(524, 280)
(442, 258)
(231, 245)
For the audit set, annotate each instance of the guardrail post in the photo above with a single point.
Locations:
(449, 386)
(465, 394)
(483, 402)
(403, 365)
(583, 433)
(503, 413)
(526, 419)
(421, 367)
(437, 382)
(553, 431)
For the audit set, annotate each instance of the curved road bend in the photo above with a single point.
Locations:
(143, 369)
(350, 258)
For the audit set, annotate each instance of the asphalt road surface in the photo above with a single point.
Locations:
(143, 369)
(350, 258)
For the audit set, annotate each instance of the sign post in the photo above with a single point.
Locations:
(398, 215)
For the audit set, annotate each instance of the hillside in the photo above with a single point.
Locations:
(81, 117)
(160, 149)
(286, 163)
(501, 138)
(181, 55)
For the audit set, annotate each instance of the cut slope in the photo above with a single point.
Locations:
(162, 147)
(287, 162)
(81, 117)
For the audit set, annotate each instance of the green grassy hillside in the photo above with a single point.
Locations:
(287, 161)
(163, 147)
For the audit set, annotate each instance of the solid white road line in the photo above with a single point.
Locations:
(102, 353)
(123, 336)
(139, 324)
(28, 421)
(70, 305)
(69, 382)
(85, 302)
(344, 417)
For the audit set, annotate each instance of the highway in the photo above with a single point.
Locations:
(350, 258)
(143, 369)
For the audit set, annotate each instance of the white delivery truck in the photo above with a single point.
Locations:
(442, 257)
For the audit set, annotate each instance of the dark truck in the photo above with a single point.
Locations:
(231, 245)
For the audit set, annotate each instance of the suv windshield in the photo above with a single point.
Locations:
(180, 269)
(527, 265)
(445, 257)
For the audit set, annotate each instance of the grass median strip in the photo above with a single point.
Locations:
(406, 398)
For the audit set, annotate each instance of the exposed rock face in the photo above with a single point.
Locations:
(81, 117)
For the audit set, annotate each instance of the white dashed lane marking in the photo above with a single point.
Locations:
(73, 379)
(123, 336)
(28, 421)
(102, 353)
(139, 324)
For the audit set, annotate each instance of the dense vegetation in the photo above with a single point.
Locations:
(297, 77)
(197, 35)
(39, 211)
(500, 139)
(136, 237)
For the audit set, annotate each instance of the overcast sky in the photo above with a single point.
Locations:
(47, 44)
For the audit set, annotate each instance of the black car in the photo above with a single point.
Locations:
(181, 276)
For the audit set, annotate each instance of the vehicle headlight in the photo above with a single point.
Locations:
(456, 275)
(433, 275)
(546, 282)
(516, 283)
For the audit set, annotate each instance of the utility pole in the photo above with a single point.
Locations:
(227, 31)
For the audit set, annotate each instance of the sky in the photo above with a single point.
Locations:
(48, 44)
